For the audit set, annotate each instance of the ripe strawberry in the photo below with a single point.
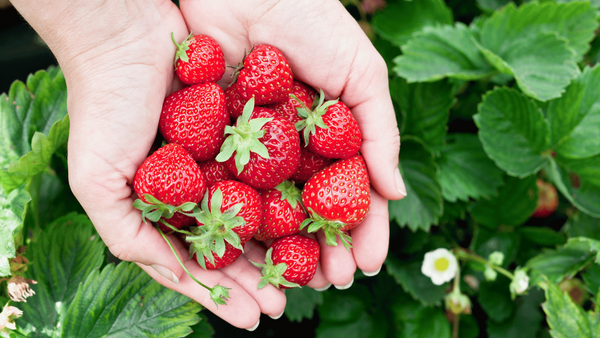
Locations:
(337, 199)
(310, 164)
(212, 261)
(235, 102)
(288, 107)
(290, 262)
(262, 150)
(195, 117)
(214, 172)
(199, 59)
(547, 200)
(265, 74)
(282, 212)
(330, 129)
(229, 213)
(167, 182)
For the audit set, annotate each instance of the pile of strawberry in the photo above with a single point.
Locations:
(261, 160)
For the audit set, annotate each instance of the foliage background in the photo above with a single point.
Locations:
(489, 96)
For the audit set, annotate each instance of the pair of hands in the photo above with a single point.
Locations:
(117, 58)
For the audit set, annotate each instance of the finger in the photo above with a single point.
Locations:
(270, 299)
(241, 309)
(370, 238)
(337, 262)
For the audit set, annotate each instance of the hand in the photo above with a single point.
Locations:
(117, 58)
(327, 50)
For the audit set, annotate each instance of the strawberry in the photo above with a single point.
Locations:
(214, 172)
(310, 164)
(290, 262)
(235, 102)
(265, 75)
(229, 213)
(282, 212)
(168, 182)
(337, 199)
(287, 108)
(330, 129)
(199, 59)
(547, 199)
(212, 261)
(195, 117)
(262, 150)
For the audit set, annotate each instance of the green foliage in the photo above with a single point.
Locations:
(301, 303)
(13, 208)
(566, 319)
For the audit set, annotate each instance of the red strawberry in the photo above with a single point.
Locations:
(213, 261)
(199, 59)
(214, 172)
(262, 150)
(547, 200)
(195, 117)
(167, 182)
(282, 212)
(330, 129)
(290, 262)
(310, 164)
(235, 102)
(229, 213)
(288, 107)
(337, 199)
(265, 75)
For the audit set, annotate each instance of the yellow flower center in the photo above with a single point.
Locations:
(441, 264)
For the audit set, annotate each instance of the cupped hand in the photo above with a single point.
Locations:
(326, 49)
(117, 58)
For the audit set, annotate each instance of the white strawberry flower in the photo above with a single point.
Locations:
(519, 284)
(440, 265)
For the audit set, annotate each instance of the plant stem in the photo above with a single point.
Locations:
(455, 325)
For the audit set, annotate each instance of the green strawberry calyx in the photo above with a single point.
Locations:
(217, 229)
(289, 192)
(330, 228)
(181, 53)
(244, 138)
(273, 273)
(153, 209)
(312, 117)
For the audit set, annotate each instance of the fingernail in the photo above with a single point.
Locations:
(400, 183)
(323, 288)
(254, 327)
(344, 287)
(278, 316)
(371, 274)
(168, 274)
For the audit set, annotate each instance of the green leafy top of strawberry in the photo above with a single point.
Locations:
(218, 228)
(289, 192)
(312, 117)
(243, 138)
(330, 228)
(154, 209)
(273, 273)
(181, 53)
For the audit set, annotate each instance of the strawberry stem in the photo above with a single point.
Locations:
(273, 273)
(181, 53)
(219, 294)
(312, 118)
(330, 228)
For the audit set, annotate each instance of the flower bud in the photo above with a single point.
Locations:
(519, 284)
(458, 303)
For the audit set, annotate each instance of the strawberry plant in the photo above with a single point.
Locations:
(499, 235)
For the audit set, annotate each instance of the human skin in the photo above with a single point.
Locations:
(117, 57)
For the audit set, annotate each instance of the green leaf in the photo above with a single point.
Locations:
(584, 195)
(447, 51)
(400, 19)
(466, 171)
(491, 5)
(428, 322)
(583, 225)
(565, 318)
(574, 118)
(423, 205)
(494, 298)
(203, 329)
(420, 287)
(557, 264)
(513, 132)
(426, 108)
(13, 208)
(585, 244)
(65, 253)
(125, 301)
(486, 242)
(542, 235)
(591, 277)
(586, 169)
(513, 205)
(524, 323)
(301, 303)
(33, 116)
